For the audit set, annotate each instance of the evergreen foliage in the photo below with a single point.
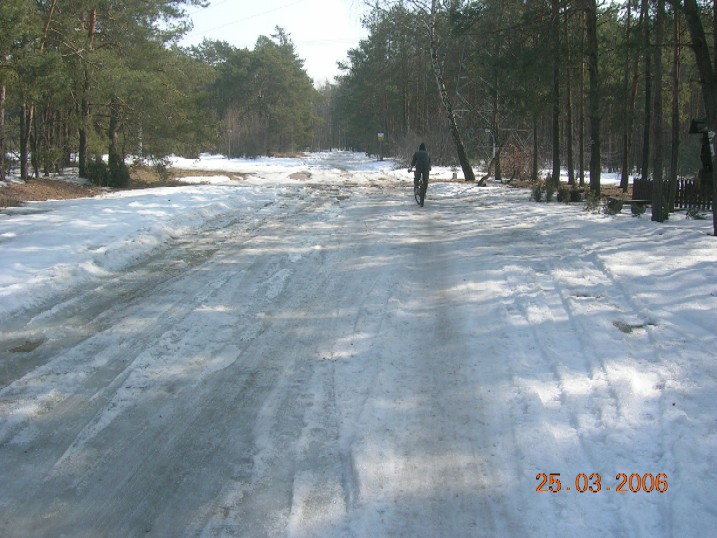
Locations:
(263, 97)
(555, 84)
(97, 172)
(536, 193)
(613, 206)
(95, 78)
(499, 68)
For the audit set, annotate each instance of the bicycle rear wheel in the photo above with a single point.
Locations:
(419, 192)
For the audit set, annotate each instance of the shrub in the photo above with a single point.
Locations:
(118, 172)
(537, 193)
(613, 206)
(549, 191)
(592, 202)
(567, 194)
(563, 194)
(161, 166)
(694, 213)
(637, 209)
(661, 213)
(97, 172)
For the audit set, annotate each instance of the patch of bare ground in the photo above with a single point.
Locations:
(15, 194)
(144, 177)
(37, 190)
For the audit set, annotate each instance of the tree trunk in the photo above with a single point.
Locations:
(118, 173)
(85, 100)
(707, 70)
(2, 132)
(581, 112)
(569, 114)
(534, 171)
(569, 133)
(555, 22)
(630, 86)
(647, 127)
(84, 123)
(594, 95)
(495, 128)
(25, 122)
(709, 83)
(676, 68)
(468, 173)
(659, 210)
(34, 143)
(46, 27)
(27, 111)
(113, 128)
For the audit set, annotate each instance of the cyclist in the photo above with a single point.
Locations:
(421, 163)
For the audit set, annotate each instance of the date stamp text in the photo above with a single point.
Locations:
(593, 483)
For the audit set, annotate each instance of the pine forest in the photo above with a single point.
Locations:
(523, 88)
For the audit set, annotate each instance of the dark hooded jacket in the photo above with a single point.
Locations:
(421, 160)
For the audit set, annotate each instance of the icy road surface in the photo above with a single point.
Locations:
(340, 362)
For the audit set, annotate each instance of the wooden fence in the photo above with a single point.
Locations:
(688, 193)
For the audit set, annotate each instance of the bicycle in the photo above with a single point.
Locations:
(419, 188)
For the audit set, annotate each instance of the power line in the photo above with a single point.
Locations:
(290, 4)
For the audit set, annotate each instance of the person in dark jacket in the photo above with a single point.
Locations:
(421, 165)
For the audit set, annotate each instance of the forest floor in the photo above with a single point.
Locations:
(35, 190)
(16, 193)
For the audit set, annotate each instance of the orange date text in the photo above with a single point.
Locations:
(593, 483)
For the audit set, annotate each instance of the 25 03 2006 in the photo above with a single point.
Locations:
(593, 483)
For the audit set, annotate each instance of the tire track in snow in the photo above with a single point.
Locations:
(580, 374)
(655, 346)
(348, 367)
(125, 371)
(423, 459)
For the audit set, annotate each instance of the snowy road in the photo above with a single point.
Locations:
(341, 362)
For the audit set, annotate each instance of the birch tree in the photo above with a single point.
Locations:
(429, 17)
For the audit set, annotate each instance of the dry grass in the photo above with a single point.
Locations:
(141, 177)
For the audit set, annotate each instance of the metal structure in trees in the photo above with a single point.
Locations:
(483, 117)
